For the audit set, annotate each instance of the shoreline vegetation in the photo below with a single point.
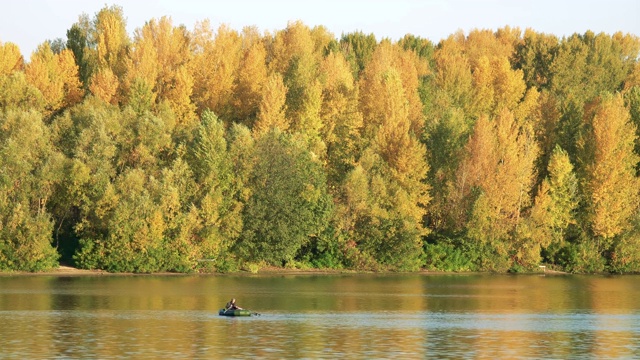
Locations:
(64, 270)
(494, 151)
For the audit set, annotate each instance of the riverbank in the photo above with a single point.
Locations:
(64, 270)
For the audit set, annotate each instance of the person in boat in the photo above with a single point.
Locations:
(231, 305)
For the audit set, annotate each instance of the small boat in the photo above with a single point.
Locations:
(236, 312)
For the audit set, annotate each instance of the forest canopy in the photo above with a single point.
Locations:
(202, 150)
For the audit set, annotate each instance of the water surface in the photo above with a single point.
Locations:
(321, 316)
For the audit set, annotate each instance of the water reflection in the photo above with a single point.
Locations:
(345, 316)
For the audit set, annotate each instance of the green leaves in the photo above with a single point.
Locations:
(29, 169)
(288, 204)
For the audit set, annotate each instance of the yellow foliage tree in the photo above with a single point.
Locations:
(111, 39)
(214, 68)
(56, 76)
(104, 85)
(70, 78)
(173, 81)
(500, 167)
(142, 66)
(10, 58)
(273, 107)
(497, 86)
(341, 119)
(453, 75)
(251, 77)
(486, 43)
(611, 185)
(409, 68)
(399, 146)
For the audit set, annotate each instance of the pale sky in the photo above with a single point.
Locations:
(28, 23)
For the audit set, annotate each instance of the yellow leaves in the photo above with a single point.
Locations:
(159, 64)
(295, 41)
(10, 58)
(142, 63)
(500, 163)
(406, 65)
(179, 96)
(453, 73)
(611, 183)
(104, 85)
(338, 96)
(485, 43)
(251, 77)
(111, 39)
(214, 68)
(56, 76)
(273, 107)
(497, 86)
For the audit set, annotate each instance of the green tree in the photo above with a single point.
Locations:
(218, 198)
(358, 49)
(555, 207)
(30, 170)
(288, 205)
(79, 42)
(534, 56)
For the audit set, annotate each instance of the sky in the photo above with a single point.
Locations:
(28, 23)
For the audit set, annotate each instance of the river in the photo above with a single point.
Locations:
(353, 316)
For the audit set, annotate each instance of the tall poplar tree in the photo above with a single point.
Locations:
(215, 67)
(611, 186)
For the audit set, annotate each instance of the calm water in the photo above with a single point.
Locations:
(326, 316)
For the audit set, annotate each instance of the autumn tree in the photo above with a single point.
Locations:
(408, 68)
(142, 73)
(297, 57)
(610, 181)
(584, 67)
(342, 121)
(393, 196)
(11, 59)
(486, 43)
(108, 47)
(273, 108)
(215, 67)
(250, 79)
(16, 91)
(495, 180)
(56, 76)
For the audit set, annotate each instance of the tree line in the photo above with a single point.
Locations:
(218, 150)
